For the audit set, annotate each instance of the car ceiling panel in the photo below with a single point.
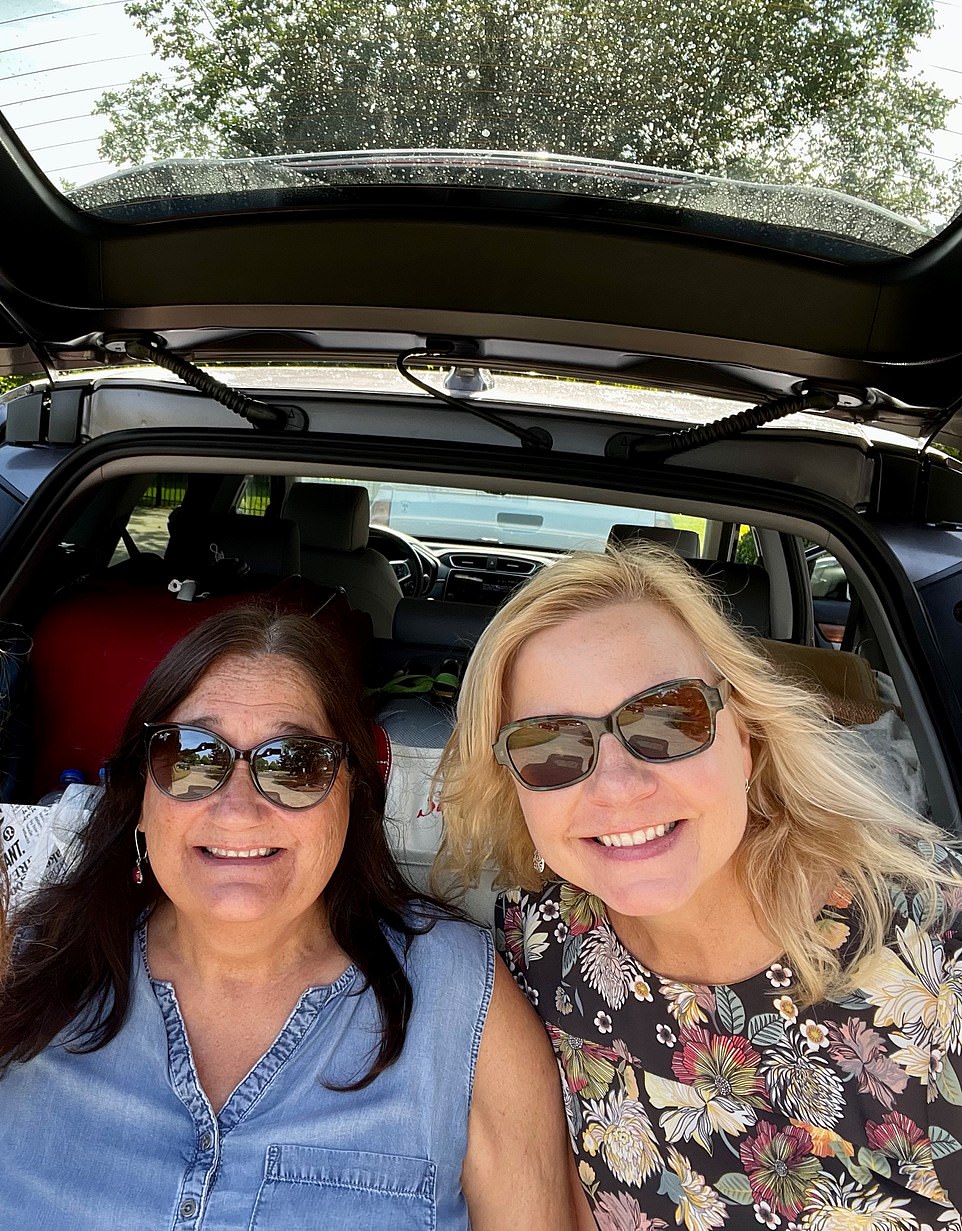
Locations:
(482, 272)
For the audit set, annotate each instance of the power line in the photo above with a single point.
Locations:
(50, 42)
(78, 8)
(42, 98)
(60, 119)
(60, 68)
(63, 145)
(104, 168)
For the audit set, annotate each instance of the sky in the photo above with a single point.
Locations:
(58, 56)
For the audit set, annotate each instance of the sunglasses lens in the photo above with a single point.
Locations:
(187, 762)
(295, 771)
(667, 724)
(551, 752)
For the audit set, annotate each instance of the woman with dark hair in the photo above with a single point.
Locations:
(233, 1011)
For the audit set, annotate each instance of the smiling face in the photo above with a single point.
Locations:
(648, 839)
(234, 857)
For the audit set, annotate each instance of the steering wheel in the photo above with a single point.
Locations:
(415, 567)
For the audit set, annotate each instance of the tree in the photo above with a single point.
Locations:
(814, 90)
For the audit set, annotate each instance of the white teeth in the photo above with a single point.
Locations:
(255, 852)
(638, 838)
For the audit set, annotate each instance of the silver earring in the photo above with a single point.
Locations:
(138, 871)
(748, 785)
(537, 860)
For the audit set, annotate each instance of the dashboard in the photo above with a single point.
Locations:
(457, 572)
(473, 575)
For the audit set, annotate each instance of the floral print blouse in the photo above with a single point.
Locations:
(727, 1106)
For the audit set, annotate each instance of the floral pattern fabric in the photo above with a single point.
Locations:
(727, 1106)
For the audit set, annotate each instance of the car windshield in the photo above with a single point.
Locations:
(828, 126)
(457, 515)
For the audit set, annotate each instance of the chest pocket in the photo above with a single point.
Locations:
(313, 1186)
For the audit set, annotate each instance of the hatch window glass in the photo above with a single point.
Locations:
(827, 125)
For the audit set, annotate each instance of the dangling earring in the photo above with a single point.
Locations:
(748, 785)
(537, 859)
(138, 872)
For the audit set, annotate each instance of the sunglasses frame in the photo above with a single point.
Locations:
(152, 729)
(716, 696)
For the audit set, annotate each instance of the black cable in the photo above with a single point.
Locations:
(530, 437)
(254, 411)
(682, 440)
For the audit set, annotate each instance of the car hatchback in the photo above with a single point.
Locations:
(406, 312)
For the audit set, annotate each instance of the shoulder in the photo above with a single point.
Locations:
(523, 924)
(526, 923)
(446, 951)
(539, 935)
(943, 856)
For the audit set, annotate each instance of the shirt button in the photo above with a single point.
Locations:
(188, 1208)
(206, 1141)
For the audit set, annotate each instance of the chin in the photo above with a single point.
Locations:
(626, 892)
(647, 904)
(239, 906)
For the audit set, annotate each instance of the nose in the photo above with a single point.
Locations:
(239, 790)
(619, 775)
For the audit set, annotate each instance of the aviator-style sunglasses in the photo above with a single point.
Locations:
(666, 723)
(189, 763)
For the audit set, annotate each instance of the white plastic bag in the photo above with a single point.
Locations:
(37, 839)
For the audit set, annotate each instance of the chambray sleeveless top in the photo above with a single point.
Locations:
(124, 1138)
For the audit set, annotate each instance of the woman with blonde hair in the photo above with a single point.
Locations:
(742, 949)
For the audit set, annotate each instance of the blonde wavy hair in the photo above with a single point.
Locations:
(817, 820)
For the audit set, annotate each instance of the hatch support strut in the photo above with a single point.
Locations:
(668, 444)
(263, 415)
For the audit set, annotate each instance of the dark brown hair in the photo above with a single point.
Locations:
(72, 957)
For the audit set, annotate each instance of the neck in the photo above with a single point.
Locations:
(244, 954)
(715, 943)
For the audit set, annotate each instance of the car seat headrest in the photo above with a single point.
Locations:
(685, 542)
(267, 547)
(331, 516)
(746, 589)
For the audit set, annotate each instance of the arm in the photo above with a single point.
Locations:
(519, 1168)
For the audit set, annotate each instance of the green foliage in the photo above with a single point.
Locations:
(793, 90)
(14, 382)
(746, 551)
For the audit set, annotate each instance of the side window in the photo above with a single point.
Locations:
(746, 546)
(254, 496)
(147, 524)
(831, 595)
